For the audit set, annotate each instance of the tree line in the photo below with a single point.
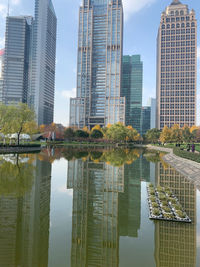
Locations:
(175, 134)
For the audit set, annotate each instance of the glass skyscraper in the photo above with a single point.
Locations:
(100, 41)
(132, 87)
(176, 66)
(1, 73)
(16, 59)
(42, 74)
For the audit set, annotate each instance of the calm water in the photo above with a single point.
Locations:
(89, 208)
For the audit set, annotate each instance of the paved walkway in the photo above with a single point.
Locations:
(188, 168)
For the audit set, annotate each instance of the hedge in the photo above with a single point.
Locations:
(186, 155)
(21, 146)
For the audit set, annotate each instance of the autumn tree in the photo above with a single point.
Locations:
(165, 136)
(186, 134)
(117, 132)
(132, 134)
(176, 134)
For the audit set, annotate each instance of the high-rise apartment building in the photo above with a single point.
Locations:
(16, 59)
(98, 99)
(42, 76)
(176, 66)
(1, 73)
(132, 87)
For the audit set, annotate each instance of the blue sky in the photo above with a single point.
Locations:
(142, 18)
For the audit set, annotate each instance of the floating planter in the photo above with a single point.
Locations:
(164, 205)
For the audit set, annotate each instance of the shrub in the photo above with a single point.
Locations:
(96, 134)
(187, 155)
(81, 134)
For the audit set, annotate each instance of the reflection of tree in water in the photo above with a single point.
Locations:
(15, 179)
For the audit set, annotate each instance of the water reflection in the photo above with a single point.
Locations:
(108, 209)
(175, 243)
(24, 211)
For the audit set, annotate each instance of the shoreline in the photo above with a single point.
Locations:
(19, 150)
(186, 167)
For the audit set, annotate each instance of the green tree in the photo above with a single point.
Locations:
(186, 134)
(69, 133)
(16, 119)
(117, 132)
(81, 134)
(153, 135)
(132, 134)
(176, 134)
(96, 134)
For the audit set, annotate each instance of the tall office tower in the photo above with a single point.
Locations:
(42, 76)
(16, 59)
(146, 120)
(1, 73)
(132, 87)
(95, 235)
(100, 41)
(176, 66)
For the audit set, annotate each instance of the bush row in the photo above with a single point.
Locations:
(187, 155)
(25, 145)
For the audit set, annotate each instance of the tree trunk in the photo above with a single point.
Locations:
(18, 136)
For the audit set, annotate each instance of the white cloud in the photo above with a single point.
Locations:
(3, 10)
(68, 94)
(133, 6)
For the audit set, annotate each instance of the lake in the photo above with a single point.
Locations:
(77, 207)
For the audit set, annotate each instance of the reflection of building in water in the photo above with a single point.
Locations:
(176, 242)
(96, 186)
(24, 221)
(130, 201)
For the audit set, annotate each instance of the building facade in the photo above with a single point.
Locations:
(132, 87)
(1, 73)
(176, 66)
(16, 60)
(42, 75)
(100, 43)
(146, 120)
(152, 104)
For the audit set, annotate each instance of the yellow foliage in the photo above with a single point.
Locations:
(96, 127)
(193, 128)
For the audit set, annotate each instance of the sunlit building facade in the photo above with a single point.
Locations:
(41, 90)
(100, 43)
(132, 89)
(176, 66)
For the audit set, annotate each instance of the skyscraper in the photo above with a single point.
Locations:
(16, 59)
(100, 41)
(132, 86)
(42, 75)
(176, 66)
(1, 73)
(146, 120)
(152, 104)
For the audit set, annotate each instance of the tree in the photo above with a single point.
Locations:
(69, 133)
(176, 134)
(96, 127)
(186, 134)
(96, 134)
(132, 134)
(117, 132)
(81, 134)
(16, 119)
(165, 136)
(153, 135)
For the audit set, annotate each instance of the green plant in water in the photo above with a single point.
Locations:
(155, 205)
(180, 214)
(156, 212)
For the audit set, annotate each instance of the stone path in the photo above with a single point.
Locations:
(188, 168)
